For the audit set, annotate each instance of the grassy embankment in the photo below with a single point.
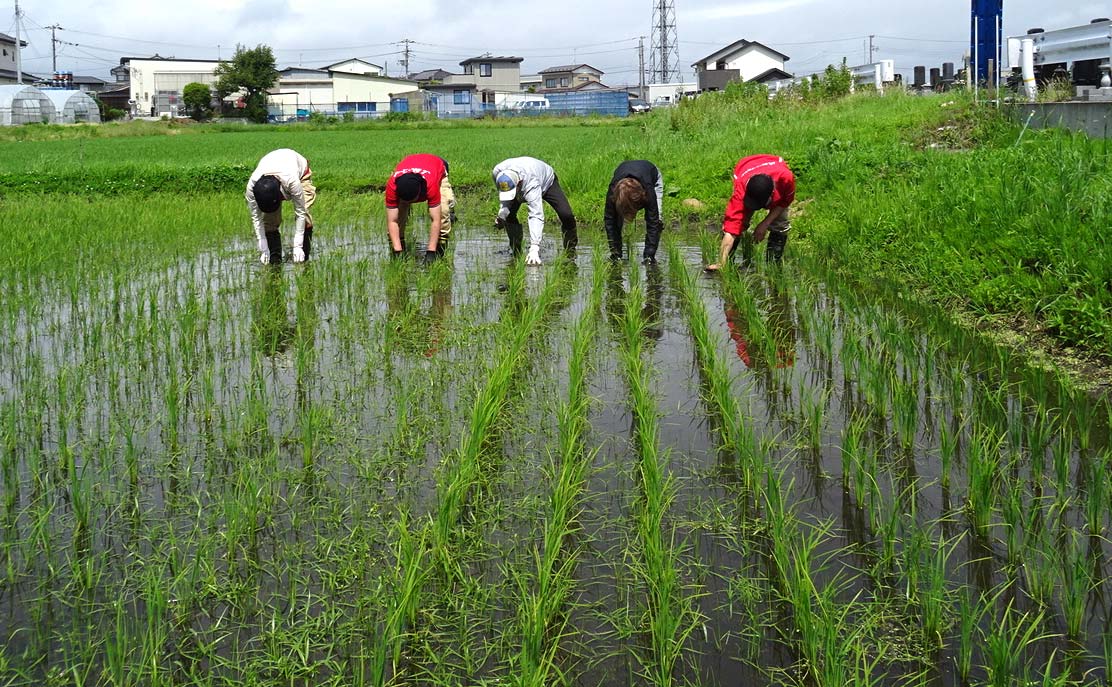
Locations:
(926, 192)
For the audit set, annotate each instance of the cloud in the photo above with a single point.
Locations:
(738, 10)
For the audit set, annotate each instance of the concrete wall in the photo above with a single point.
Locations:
(1094, 119)
(7, 55)
(148, 77)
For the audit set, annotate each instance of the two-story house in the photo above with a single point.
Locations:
(7, 60)
(489, 76)
(568, 77)
(740, 61)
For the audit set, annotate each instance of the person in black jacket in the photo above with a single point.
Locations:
(637, 185)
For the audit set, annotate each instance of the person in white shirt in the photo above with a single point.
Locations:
(532, 182)
(282, 174)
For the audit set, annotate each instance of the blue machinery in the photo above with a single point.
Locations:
(985, 38)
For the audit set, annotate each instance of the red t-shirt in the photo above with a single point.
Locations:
(430, 167)
(783, 189)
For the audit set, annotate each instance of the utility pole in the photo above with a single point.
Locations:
(54, 46)
(641, 61)
(405, 57)
(871, 37)
(18, 59)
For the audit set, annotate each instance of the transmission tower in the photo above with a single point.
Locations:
(664, 65)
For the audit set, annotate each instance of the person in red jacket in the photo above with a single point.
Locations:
(420, 178)
(761, 182)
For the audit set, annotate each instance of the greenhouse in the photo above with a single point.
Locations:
(21, 104)
(73, 107)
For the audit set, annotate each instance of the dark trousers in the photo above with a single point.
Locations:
(652, 239)
(274, 245)
(555, 197)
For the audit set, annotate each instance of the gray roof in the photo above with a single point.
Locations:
(11, 39)
(491, 58)
(430, 75)
(10, 74)
(569, 68)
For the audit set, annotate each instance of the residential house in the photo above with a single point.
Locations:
(531, 83)
(740, 61)
(355, 66)
(429, 77)
(335, 90)
(491, 76)
(156, 82)
(458, 99)
(7, 61)
(568, 77)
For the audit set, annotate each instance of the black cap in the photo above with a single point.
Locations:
(410, 186)
(758, 192)
(268, 193)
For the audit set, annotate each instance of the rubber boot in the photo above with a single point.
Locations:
(274, 247)
(776, 242)
(307, 242)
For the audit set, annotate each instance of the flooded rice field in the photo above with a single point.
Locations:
(360, 471)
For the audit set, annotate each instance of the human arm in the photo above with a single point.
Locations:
(761, 229)
(724, 249)
(257, 223)
(296, 195)
(395, 220)
(532, 195)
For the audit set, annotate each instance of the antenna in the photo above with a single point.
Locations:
(665, 62)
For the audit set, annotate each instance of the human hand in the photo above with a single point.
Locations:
(264, 258)
(299, 255)
(500, 222)
(534, 256)
(759, 233)
(714, 267)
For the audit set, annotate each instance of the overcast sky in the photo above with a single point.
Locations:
(604, 34)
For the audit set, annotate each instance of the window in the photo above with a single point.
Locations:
(582, 79)
(550, 83)
(720, 64)
(564, 81)
(469, 68)
(356, 107)
(485, 69)
(461, 97)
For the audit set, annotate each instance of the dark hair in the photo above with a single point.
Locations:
(410, 186)
(758, 192)
(629, 197)
(268, 193)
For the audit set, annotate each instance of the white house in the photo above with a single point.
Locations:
(355, 66)
(365, 93)
(157, 82)
(740, 61)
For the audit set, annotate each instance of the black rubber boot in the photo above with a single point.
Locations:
(514, 233)
(274, 247)
(776, 242)
(307, 242)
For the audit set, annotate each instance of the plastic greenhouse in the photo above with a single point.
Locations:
(20, 104)
(72, 107)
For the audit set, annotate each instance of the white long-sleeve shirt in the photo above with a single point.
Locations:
(289, 168)
(535, 178)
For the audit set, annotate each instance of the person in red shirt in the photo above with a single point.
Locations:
(761, 182)
(420, 178)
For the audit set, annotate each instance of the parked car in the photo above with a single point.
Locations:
(637, 105)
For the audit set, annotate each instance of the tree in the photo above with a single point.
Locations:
(252, 71)
(198, 98)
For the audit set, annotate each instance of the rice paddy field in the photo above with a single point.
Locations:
(360, 471)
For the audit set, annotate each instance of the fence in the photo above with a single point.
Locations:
(448, 106)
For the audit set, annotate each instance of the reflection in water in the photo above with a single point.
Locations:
(617, 294)
(781, 327)
(272, 332)
(413, 329)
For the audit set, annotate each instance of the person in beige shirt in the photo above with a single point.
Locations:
(282, 174)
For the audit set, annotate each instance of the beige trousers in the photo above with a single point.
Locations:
(273, 220)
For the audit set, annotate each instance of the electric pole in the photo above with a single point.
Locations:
(54, 46)
(871, 37)
(641, 68)
(405, 57)
(18, 59)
